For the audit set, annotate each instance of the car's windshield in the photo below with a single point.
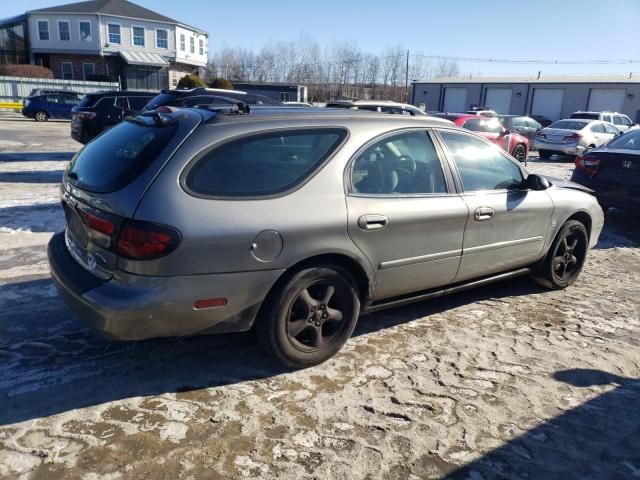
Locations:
(569, 125)
(484, 124)
(628, 141)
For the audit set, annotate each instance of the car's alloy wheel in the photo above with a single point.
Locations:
(310, 317)
(566, 257)
(41, 116)
(316, 316)
(519, 153)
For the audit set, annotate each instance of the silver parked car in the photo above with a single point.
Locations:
(295, 221)
(573, 137)
(621, 121)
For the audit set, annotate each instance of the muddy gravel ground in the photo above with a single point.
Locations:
(508, 381)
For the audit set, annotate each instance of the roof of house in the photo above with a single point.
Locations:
(633, 77)
(119, 8)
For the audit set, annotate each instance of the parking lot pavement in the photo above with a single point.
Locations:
(507, 381)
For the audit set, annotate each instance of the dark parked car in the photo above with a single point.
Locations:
(613, 172)
(43, 107)
(200, 100)
(542, 120)
(99, 111)
(169, 97)
(525, 126)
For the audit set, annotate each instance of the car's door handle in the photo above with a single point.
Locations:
(484, 213)
(372, 222)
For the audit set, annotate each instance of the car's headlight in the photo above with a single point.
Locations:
(27, 102)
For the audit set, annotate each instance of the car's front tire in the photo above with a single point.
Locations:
(565, 258)
(310, 317)
(41, 116)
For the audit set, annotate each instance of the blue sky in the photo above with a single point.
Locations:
(512, 29)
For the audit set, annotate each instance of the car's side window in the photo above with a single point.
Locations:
(122, 102)
(617, 120)
(626, 120)
(606, 118)
(262, 164)
(482, 166)
(610, 128)
(399, 164)
(597, 128)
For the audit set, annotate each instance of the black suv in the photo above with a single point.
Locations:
(173, 97)
(99, 111)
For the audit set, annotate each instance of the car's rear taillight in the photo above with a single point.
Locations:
(588, 164)
(145, 240)
(98, 224)
(573, 136)
(86, 115)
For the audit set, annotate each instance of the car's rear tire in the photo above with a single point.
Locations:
(520, 153)
(565, 258)
(41, 116)
(545, 154)
(310, 317)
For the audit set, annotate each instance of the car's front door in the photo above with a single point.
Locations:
(403, 213)
(507, 223)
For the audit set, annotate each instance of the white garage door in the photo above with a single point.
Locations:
(547, 102)
(498, 99)
(611, 99)
(455, 99)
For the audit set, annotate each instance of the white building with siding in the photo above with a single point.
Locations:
(554, 96)
(115, 40)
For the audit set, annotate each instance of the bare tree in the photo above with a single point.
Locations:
(447, 68)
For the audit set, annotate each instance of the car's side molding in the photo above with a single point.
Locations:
(455, 288)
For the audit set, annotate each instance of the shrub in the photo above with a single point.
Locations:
(191, 81)
(220, 82)
(25, 70)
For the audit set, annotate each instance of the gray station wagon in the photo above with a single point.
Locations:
(295, 221)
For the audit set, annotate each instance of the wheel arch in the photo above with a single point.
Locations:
(582, 217)
(354, 267)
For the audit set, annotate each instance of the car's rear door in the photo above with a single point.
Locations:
(507, 223)
(404, 213)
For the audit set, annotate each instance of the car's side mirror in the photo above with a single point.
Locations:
(537, 182)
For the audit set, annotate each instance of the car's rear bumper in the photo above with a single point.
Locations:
(610, 194)
(135, 307)
(559, 148)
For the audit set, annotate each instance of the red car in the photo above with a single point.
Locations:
(491, 129)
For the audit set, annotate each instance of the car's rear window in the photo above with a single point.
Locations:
(568, 125)
(88, 101)
(588, 116)
(260, 165)
(118, 156)
(161, 99)
(483, 124)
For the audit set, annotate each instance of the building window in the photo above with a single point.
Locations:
(285, 96)
(162, 38)
(138, 36)
(192, 45)
(201, 46)
(13, 47)
(114, 33)
(85, 31)
(64, 31)
(183, 46)
(88, 70)
(43, 30)
(67, 70)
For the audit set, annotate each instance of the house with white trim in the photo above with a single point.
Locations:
(114, 40)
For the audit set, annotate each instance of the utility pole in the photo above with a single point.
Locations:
(406, 79)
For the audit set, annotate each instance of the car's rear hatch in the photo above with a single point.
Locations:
(106, 180)
(559, 135)
(615, 172)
